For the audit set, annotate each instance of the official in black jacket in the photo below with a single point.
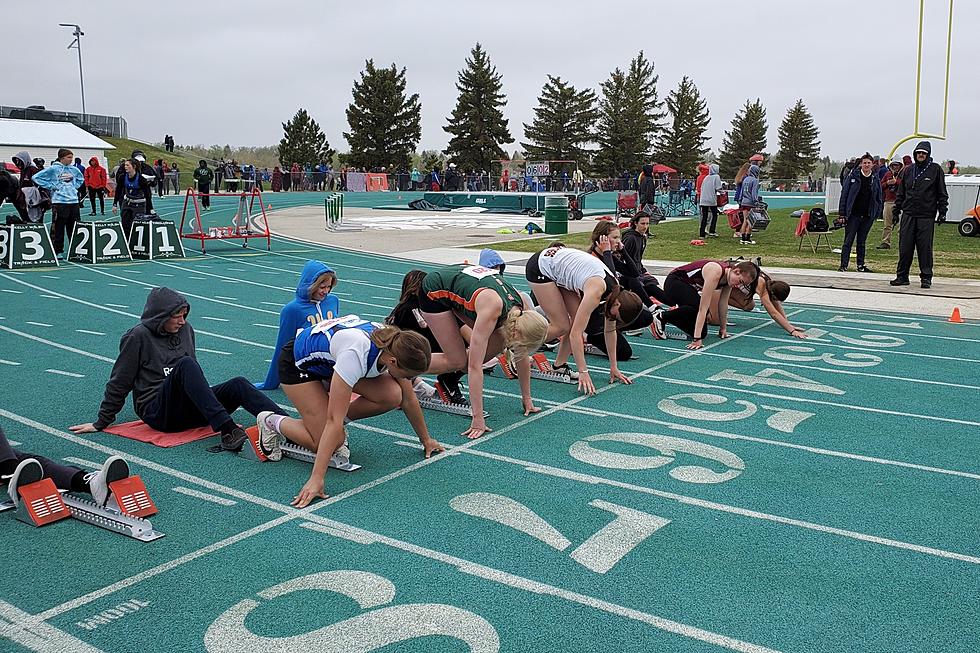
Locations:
(920, 204)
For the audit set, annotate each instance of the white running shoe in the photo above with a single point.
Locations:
(422, 389)
(565, 370)
(341, 456)
(634, 332)
(113, 469)
(28, 471)
(270, 442)
(657, 328)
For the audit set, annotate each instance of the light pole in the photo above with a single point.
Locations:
(77, 43)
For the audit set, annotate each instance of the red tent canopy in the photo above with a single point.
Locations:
(661, 168)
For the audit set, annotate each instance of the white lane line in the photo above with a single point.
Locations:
(594, 412)
(214, 351)
(64, 373)
(118, 285)
(883, 411)
(33, 634)
(905, 334)
(164, 274)
(50, 343)
(265, 326)
(4, 361)
(84, 281)
(50, 276)
(82, 462)
(215, 319)
(231, 299)
(236, 269)
(46, 296)
(272, 303)
(197, 278)
(133, 315)
(117, 305)
(872, 314)
(197, 494)
(869, 350)
(91, 333)
(40, 324)
(831, 370)
(12, 292)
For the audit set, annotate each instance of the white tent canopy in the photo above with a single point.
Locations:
(42, 138)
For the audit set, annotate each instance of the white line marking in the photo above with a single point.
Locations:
(272, 303)
(231, 299)
(197, 278)
(117, 305)
(164, 274)
(64, 373)
(33, 634)
(117, 285)
(56, 344)
(4, 361)
(13, 443)
(12, 292)
(81, 462)
(214, 351)
(878, 350)
(91, 333)
(868, 409)
(50, 276)
(221, 501)
(265, 326)
(215, 319)
(46, 296)
(40, 324)
(84, 281)
(835, 326)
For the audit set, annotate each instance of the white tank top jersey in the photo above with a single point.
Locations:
(570, 268)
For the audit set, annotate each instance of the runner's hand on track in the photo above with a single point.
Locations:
(585, 384)
(476, 429)
(83, 428)
(619, 376)
(312, 490)
(431, 447)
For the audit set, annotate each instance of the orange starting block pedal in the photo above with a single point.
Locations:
(132, 498)
(41, 503)
(252, 450)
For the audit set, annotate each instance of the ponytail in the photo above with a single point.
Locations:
(411, 350)
(524, 331)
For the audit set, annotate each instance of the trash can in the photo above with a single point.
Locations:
(556, 214)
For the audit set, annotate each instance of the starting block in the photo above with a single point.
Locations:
(437, 402)
(251, 451)
(42, 503)
(540, 369)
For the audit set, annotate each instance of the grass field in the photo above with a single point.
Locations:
(955, 256)
(764, 494)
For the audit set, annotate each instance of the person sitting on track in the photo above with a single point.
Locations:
(635, 244)
(772, 293)
(19, 468)
(569, 284)
(479, 298)
(157, 362)
(325, 365)
(313, 304)
(692, 288)
(407, 315)
(607, 246)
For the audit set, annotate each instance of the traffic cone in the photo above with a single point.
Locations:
(955, 317)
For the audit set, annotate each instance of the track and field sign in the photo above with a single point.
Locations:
(98, 242)
(155, 239)
(25, 245)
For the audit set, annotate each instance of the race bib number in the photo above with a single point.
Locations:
(347, 322)
(551, 251)
(479, 272)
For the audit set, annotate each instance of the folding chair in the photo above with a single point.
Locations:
(803, 233)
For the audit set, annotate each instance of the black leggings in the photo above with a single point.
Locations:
(687, 300)
(705, 211)
(65, 477)
(185, 400)
(595, 333)
(646, 286)
(92, 192)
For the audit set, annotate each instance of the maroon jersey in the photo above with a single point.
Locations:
(692, 273)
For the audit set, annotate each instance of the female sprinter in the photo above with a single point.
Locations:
(693, 288)
(772, 293)
(607, 245)
(330, 361)
(569, 284)
(478, 297)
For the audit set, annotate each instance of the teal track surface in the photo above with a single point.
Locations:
(763, 494)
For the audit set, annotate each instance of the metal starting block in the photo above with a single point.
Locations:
(42, 503)
(592, 350)
(436, 403)
(252, 451)
(540, 369)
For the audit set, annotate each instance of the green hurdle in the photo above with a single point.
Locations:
(334, 209)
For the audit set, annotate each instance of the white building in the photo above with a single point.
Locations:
(42, 139)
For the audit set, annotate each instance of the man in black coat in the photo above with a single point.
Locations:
(921, 203)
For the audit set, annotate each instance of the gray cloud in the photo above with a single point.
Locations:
(206, 75)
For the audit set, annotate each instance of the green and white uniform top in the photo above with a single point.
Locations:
(456, 287)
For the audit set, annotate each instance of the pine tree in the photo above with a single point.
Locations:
(562, 124)
(477, 125)
(385, 123)
(629, 118)
(799, 148)
(746, 137)
(681, 145)
(302, 141)
(430, 159)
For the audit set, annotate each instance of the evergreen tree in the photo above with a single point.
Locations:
(302, 141)
(681, 145)
(799, 149)
(746, 137)
(430, 159)
(385, 123)
(562, 124)
(629, 118)
(478, 126)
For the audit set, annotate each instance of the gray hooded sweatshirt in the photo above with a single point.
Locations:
(147, 354)
(710, 187)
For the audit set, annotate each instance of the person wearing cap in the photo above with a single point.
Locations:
(889, 187)
(921, 202)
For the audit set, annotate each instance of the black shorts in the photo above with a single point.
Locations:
(289, 374)
(427, 305)
(532, 271)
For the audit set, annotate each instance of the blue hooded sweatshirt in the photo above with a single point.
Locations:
(299, 314)
(62, 180)
(750, 187)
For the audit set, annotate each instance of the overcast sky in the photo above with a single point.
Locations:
(207, 74)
